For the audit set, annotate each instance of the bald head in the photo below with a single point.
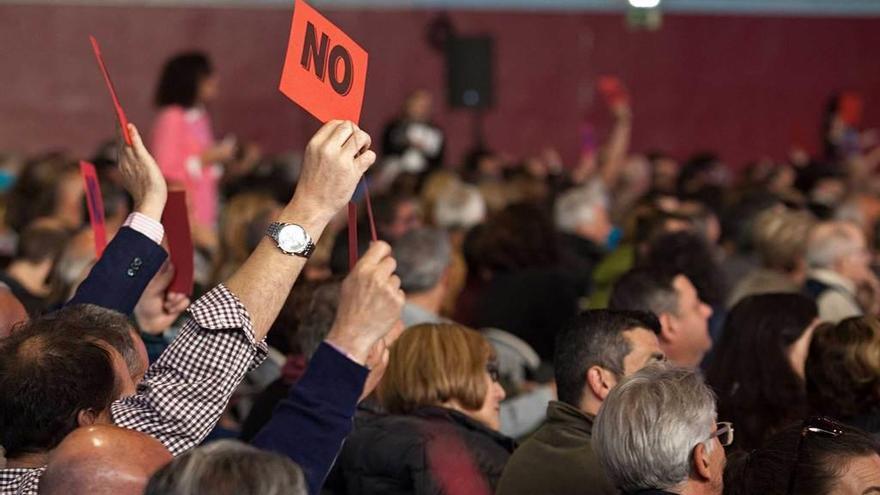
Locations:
(103, 460)
(11, 312)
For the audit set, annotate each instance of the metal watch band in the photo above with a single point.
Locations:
(275, 228)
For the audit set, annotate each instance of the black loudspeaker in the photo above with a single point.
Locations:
(469, 72)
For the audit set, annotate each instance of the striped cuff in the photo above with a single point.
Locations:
(146, 225)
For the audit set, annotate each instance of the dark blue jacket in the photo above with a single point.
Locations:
(310, 425)
(122, 273)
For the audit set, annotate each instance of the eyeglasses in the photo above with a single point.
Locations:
(724, 432)
(494, 372)
(816, 425)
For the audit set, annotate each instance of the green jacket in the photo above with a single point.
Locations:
(557, 459)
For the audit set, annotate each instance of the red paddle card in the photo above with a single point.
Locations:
(613, 90)
(325, 71)
(352, 235)
(120, 114)
(95, 203)
(175, 219)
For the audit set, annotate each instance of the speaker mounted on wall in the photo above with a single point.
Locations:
(469, 72)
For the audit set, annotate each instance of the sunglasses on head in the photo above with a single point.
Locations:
(815, 426)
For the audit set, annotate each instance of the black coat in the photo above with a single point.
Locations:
(532, 304)
(387, 454)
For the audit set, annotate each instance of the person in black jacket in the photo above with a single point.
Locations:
(441, 392)
(412, 142)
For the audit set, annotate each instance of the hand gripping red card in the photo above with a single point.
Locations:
(95, 203)
(120, 114)
(175, 219)
(325, 71)
(612, 90)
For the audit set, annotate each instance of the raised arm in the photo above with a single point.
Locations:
(134, 255)
(618, 145)
(186, 390)
(312, 423)
(331, 170)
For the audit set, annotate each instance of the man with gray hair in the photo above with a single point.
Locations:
(423, 259)
(684, 318)
(584, 212)
(656, 433)
(839, 273)
(228, 466)
(581, 217)
(460, 209)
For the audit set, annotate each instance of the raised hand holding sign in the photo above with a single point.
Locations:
(325, 71)
(120, 113)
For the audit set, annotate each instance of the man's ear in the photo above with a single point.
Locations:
(668, 329)
(86, 417)
(701, 468)
(600, 381)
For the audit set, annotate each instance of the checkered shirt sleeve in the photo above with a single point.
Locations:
(20, 481)
(186, 390)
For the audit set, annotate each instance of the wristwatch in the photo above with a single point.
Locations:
(291, 239)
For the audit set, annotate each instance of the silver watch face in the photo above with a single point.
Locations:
(292, 239)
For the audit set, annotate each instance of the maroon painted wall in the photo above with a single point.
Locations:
(745, 86)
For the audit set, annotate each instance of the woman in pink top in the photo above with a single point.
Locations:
(183, 141)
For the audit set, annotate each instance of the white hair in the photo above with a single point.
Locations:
(462, 208)
(831, 241)
(577, 207)
(422, 255)
(648, 427)
(850, 211)
(243, 469)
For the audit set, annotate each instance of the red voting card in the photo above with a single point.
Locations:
(120, 114)
(175, 219)
(851, 106)
(325, 71)
(352, 235)
(95, 203)
(353, 228)
(613, 90)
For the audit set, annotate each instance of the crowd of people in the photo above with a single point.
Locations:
(625, 323)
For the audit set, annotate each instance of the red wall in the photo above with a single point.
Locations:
(745, 86)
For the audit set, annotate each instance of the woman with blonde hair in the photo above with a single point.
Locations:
(843, 372)
(441, 395)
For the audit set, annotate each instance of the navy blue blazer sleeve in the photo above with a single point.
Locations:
(310, 425)
(119, 278)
